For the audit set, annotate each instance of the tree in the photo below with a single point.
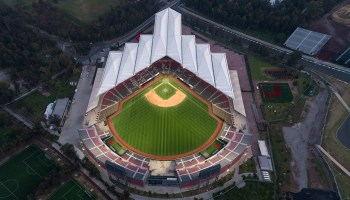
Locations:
(55, 119)
(294, 58)
(125, 195)
(69, 151)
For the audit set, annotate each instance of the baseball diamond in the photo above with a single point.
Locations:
(165, 132)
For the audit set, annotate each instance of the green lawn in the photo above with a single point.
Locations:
(23, 173)
(71, 190)
(164, 131)
(258, 65)
(112, 142)
(216, 146)
(275, 92)
(33, 106)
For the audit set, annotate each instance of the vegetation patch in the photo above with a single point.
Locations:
(258, 66)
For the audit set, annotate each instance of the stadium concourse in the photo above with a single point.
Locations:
(167, 52)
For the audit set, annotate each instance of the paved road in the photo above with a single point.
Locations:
(76, 114)
(334, 70)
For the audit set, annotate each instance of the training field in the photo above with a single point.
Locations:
(164, 119)
(275, 92)
(71, 190)
(20, 175)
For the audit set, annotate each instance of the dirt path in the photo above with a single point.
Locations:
(308, 132)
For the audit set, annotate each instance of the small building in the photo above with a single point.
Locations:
(307, 41)
(59, 108)
(265, 163)
(263, 148)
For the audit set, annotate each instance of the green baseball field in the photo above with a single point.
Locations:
(71, 190)
(164, 119)
(275, 92)
(20, 175)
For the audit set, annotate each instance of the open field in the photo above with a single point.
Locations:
(275, 92)
(33, 106)
(164, 131)
(71, 190)
(258, 65)
(20, 175)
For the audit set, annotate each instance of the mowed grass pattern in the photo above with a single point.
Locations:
(164, 131)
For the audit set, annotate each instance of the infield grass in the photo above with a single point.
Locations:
(164, 131)
(165, 91)
(71, 190)
(20, 175)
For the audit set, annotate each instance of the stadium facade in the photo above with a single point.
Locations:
(167, 52)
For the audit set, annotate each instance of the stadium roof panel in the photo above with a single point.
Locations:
(166, 40)
(143, 59)
(189, 58)
(160, 35)
(222, 78)
(111, 71)
(307, 41)
(205, 67)
(174, 36)
(127, 64)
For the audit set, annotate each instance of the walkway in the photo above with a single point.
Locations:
(333, 160)
(340, 99)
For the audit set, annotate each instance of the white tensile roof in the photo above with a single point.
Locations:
(167, 40)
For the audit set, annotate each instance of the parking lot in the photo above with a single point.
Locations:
(75, 117)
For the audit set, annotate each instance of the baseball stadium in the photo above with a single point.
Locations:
(166, 111)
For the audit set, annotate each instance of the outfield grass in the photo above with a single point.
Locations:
(23, 173)
(164, 131)
(71, 190)
(258, 65)
(275, 92)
